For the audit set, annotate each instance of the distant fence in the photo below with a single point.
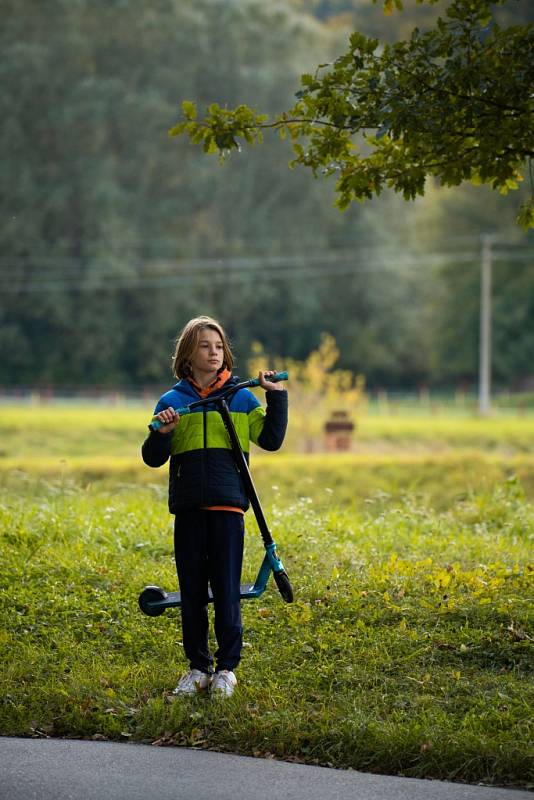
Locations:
(71, 395)
(438, 401)
(378, 401)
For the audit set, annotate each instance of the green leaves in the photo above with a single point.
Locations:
(189, 109)
(221, 128)
(525, 218)
(454, 103)
(391, 5)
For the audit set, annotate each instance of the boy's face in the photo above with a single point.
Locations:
(208, 355)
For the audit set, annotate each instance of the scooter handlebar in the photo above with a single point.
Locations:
(276, 378)
(156, 424)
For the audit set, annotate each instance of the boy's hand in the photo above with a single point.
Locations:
(268, 385)
(169, 418)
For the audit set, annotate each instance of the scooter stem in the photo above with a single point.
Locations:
(241, 464)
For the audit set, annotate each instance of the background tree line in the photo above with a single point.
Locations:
(113, 235)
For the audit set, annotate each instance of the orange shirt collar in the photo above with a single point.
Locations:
(221, 379)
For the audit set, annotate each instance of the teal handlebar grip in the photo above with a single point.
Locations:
(156, 424)
(276, 378)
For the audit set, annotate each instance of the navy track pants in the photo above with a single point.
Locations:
(208, 547)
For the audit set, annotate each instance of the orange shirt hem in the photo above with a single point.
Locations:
(223, 508)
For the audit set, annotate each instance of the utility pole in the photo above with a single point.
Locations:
(484, 386)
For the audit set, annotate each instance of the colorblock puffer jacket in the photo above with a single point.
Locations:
(202, 471)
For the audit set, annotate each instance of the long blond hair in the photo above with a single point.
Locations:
(187, 341)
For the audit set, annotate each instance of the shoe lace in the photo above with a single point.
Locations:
(188, 680)
(224, 677)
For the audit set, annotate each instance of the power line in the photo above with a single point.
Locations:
(230, 261)
(212, 263)
(195, 272)
(510, 239)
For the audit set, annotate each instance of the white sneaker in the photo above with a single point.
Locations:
(193, 682)
(223, 683)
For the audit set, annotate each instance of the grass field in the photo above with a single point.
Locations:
(408, 649)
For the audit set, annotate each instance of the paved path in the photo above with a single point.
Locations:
(63, 769)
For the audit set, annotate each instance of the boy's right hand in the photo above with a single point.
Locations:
(169, 419)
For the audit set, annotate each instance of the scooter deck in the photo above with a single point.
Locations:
(175, 598)
(153, 600)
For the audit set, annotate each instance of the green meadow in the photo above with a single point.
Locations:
(408, 649)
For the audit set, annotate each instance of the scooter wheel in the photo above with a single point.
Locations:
(284, 586)
(150, 595)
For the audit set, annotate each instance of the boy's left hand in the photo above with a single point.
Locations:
(268, 385)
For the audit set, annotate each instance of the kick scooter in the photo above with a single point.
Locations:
(153, 600)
